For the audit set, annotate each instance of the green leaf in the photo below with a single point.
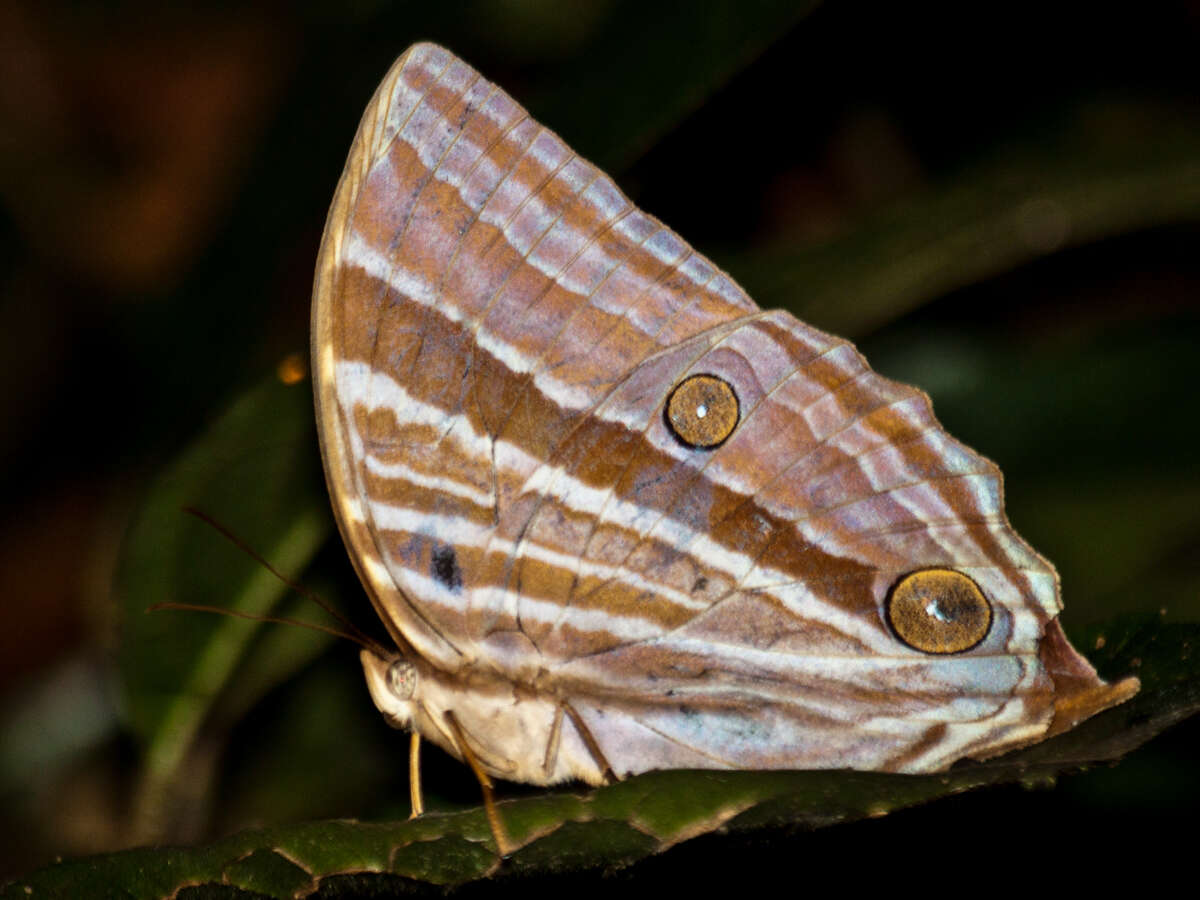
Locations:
(617, 825)
(255, 470)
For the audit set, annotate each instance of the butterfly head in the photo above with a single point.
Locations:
(393, 684)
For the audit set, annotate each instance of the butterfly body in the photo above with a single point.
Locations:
(614, 514)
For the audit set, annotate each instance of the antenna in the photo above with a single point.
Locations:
(352, 632)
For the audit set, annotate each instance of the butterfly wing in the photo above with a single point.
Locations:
(496, 331)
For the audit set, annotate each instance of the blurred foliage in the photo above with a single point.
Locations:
(255, 471)
(1007, 218)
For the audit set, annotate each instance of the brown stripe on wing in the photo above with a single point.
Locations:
(538, 180)
(391, 440)
(430, 519)
(383, 214)
(446, 571)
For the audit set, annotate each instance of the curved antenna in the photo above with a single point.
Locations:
(351, 632)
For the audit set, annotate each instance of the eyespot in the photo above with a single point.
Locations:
(938, 611)
(702, 411)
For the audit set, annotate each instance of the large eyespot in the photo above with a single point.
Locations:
(938, 611)
(702, 411)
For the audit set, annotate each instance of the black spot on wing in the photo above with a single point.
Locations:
(445, 568)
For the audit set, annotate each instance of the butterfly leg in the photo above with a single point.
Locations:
(415, 795)
(503, 844)
(550, 758)
(589, 741)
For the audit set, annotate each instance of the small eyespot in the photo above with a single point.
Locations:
(938, 611)
(702, 411)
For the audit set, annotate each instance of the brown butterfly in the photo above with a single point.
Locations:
(616, 517)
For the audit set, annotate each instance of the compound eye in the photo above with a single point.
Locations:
(702, 411)
(938, 611)
(402, 679)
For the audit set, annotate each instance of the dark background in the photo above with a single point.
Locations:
(1000, 203)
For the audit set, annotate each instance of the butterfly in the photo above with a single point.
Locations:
(616, 517)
